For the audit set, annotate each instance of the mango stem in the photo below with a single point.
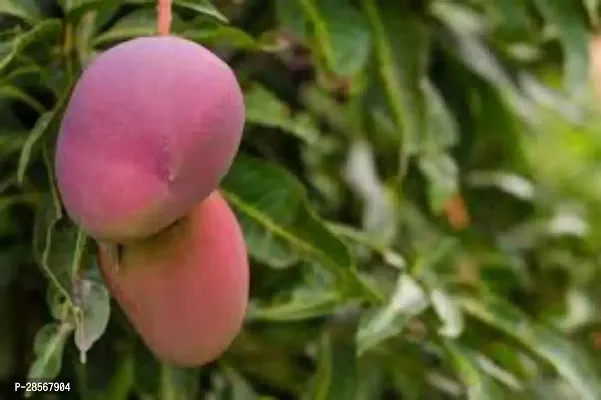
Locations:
(163, 17)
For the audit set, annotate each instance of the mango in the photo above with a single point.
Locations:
(151, 127)
(185, 290)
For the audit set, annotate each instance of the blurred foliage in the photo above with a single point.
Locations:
(419, 186)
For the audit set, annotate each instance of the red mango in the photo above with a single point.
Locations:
(151, 127)
(185, 290)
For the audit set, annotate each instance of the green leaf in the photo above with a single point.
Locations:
(372, 381)
(389, 255)
(499, 373)
(442, 131)
(431, 257)
(47, 215)
(316, 304)
(27, 10)
(264, 108)
(591, 10)
(121, 381)
(380, 218)
(59, 257)
(239, 388)
(12, 142)
(401, 46)
(344, 119)
(570, 22)
(441, 173)
(94, 302)
(266, 247)
(336, 377)
(481, 60)
(47, 121)
(477, 384)
(147, 371)
(513, 184)
(203, 7)
(44, 30)
(57, 303)
(553, 99)
(407, 301)
(411, 378)
(138, 23)
(33, 138)
(49, 212)
(435, 163)
(461, 16)
(227, 36)
(292, 17)
(449, 312)
(178, 383)
(48, 349)
(52, 247)
(514, 17)
(341, 35)
(154, 379)
(265, 195)
(573, 365)
(74, 9)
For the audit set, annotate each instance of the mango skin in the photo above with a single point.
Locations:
(185, 290)
(151, 127)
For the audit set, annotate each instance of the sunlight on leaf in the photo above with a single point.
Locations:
(94, 303)
(408, 300)
(449, 313)
(379, 211)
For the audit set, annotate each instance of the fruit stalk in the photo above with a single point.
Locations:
(163, 17)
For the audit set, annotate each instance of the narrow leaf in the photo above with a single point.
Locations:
(477, 384)
(203, 7)
(44, 123)
(568, 360)
(401, 44)
(44, 30)
(12, 92)
(336, 377)
(299, 308)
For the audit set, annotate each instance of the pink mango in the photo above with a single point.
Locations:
(186, 289)
(152, 126)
